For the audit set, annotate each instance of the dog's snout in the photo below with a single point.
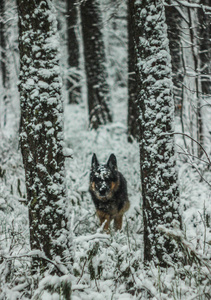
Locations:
(103, 190)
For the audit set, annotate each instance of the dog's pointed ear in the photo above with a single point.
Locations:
(95, 162)
(112, 162)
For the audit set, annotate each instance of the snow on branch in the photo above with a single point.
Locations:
(91, 237)
(184, 134)
(190, 253)
(205, 8)
(39, 254)
(67, 152)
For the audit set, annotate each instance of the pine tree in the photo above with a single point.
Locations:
(173, 20)
(197, 128)
(191, 113)
(174, 29)
(73, 83)
(132, 84)
(158, 173)
(95, 64)
(41, 134)
(4, 59)
(205, 47)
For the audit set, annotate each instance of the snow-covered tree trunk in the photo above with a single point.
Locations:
(4, 60)
(73, 82)
(158, 173)
(174, 28)
(192, 18)
(192, 92)
(132, 84)
(173, 20)
(95, 64)
(41, 134)
(205, 47)
(204, 41)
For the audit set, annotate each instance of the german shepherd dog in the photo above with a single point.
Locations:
(108, 189)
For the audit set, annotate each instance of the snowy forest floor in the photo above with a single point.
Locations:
(106, 266)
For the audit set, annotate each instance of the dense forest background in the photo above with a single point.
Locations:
(106, 266)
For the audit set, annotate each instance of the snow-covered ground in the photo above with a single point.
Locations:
(105, 266)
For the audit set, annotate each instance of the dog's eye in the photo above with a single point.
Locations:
(97, 179)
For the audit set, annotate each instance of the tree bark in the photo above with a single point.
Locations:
(204, 41)
(133, 112)
(157, 158)
(205, 48)
(41, 134)
(196, 65)
(73, 82)
(174, 27)
(4, 60)
(173, 20)
(95, 64)
(192, 118)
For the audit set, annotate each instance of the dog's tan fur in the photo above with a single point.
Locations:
(115, 215)
(114, 203)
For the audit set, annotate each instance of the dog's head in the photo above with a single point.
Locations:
(104, 179)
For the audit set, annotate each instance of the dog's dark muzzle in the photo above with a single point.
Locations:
(103, 191)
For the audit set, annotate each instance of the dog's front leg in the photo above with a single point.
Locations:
(104, 218)
(118, 222)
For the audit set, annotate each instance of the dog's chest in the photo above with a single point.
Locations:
(112, 207)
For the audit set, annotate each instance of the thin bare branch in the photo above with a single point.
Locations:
(184, 134)
(194, 156)
(193, 5)
(39, 254)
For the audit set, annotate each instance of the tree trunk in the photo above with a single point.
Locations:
(73, 82)
(205, 48)
(192, 93)
(158, 173)
(4, 60)
(196, 68)
(174, 27)
(41, 134)
(173, 20)
(95, 64)
(204, 38)
(133, 112)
